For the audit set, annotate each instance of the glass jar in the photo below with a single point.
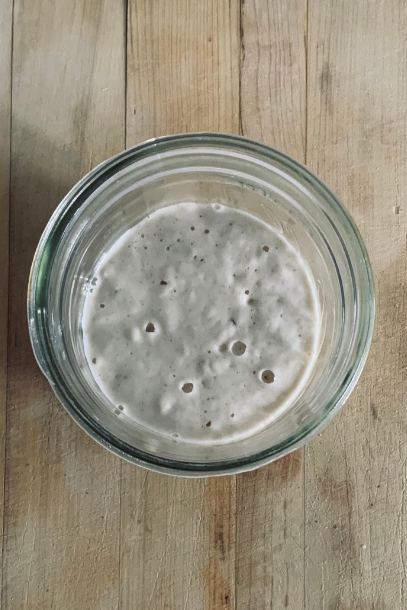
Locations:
(203, 168)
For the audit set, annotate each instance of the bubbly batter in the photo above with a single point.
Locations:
(201, 323)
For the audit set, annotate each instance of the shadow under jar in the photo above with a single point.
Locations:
(201, 168)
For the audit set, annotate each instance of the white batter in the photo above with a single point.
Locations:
(201, 323)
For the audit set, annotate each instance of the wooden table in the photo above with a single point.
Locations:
(325, 81)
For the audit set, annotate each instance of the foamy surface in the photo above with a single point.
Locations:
(201, 323)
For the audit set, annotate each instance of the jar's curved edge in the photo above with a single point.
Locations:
(216, 468)
(206, 471)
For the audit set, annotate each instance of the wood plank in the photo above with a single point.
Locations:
(356, 471)
(182, 68)
(62, 489)
(270, 515)
(177, 535)
(6, 20)
(273, 74)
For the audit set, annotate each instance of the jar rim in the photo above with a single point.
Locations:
(71, 204)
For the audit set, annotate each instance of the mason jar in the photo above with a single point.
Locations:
(202, 168)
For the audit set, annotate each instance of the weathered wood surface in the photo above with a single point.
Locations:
(324, 81)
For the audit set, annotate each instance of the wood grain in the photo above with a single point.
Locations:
(61, 528)
(356, 471)
(324, 81)
(6, 19)
(273, 74)
(182, 67)
(270, 501)
(178, 536)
